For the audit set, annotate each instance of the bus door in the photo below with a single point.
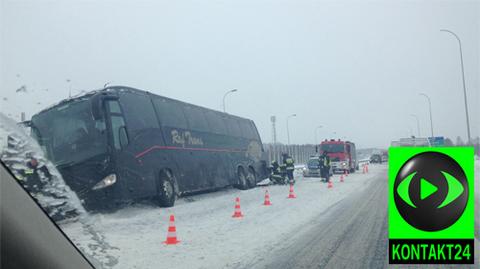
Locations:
(129, 169)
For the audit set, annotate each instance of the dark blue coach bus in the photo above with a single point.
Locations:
(121, 144)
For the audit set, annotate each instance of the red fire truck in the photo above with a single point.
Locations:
(343, 156)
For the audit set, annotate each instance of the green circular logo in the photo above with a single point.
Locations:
(431, 191)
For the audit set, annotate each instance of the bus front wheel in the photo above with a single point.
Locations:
(165, 189)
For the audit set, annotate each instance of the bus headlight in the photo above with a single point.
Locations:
(344, 164)
(107, 181)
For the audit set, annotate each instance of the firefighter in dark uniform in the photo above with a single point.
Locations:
(325, 166)
(276, 175)
(289, 163)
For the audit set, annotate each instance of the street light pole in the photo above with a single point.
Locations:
(69, 88)
(288, 130)
(418, 123)
(430, 109)
(463, 79)
(225, 95)
(316, 137)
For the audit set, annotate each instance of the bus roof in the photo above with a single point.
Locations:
(87, 95)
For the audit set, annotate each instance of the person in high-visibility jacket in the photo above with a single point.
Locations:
(325, 166)
(289, 163)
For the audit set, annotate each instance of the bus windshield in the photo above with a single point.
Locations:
(68, 133)
(333, 147)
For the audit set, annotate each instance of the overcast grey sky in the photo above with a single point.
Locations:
(354, 67)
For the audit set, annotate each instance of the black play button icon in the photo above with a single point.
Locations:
(431, 191)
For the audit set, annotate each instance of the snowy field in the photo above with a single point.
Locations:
(210, 237)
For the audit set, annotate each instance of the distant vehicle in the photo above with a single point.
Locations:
(121, 144)
(312, 169)
(343, 155)
(376, 158)
(384, 156)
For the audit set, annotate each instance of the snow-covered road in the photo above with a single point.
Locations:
(352, 234)
(210, 237)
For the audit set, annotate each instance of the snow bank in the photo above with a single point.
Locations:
(16, 150)
(210, 237)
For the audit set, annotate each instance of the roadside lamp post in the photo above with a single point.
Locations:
(463, 79)
(69, 87)
(225, 95)
(288, 130)
(316, 137)
(430, 109)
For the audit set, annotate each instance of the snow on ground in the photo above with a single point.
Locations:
(210, 237)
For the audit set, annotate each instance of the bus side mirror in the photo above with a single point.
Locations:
(26, 123)
(122, 136)
(316, 148)
(96, 102)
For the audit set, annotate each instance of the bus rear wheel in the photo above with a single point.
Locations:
(242, 179)
(165, 189)
(251, 178)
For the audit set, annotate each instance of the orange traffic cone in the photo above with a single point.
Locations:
(172, 232)
(346, 173)
(341, 178)
(267, 198)
(330, 184)
(291, 194)
(238, 212)
(366, 168)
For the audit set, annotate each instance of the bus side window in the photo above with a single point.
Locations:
(255, 134)
(114, 107)
(216, 123)
(232, 126)
(247, 129)
(196, 119)
(138, 112)
(117, 124)
(170, 113)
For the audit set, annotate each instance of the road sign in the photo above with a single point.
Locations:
(437, 141)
